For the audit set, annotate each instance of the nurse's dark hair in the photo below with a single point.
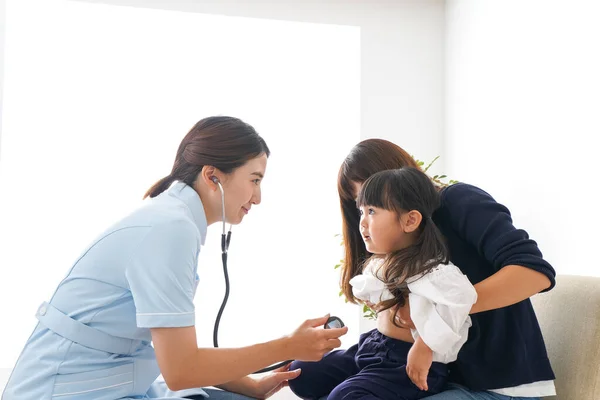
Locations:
(400, 191)
(365, 159)
(223, 142)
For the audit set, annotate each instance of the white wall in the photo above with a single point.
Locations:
(108, 182)
(402, 58)
(2, 34)
(507, 92)
(402, 62)
(522, 106)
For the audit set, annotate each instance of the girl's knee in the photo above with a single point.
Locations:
(348, 390)
(304, 386)
(317, 379)
(296, 364)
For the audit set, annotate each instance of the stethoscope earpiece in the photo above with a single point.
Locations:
(224, 241)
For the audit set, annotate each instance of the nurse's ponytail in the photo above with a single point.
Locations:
(225, 143)
(160, 186)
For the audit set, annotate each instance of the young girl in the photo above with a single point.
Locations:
(409, 265)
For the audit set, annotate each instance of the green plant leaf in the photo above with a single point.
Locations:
(431, 163)
(370, 314)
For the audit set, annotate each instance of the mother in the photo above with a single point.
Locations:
(505, 356)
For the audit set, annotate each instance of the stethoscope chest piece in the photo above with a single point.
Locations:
(333, 323)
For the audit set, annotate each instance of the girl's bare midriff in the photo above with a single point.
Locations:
(387, 327)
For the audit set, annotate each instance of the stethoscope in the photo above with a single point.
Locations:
(332, 322)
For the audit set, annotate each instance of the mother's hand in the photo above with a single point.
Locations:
(370, 305)
(402, 316)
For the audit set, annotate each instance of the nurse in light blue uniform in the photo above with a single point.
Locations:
(124, 313)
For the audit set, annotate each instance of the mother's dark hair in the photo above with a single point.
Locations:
(365, 159)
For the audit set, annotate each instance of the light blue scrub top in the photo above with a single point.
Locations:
(93, 339)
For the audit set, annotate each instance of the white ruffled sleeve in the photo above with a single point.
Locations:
(368, 286)
(440, 302)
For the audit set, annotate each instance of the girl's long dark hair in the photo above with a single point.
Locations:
(366, 158)
(402, 190)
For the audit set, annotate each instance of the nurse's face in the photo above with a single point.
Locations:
(242, 189)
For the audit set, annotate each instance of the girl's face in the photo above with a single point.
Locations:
(385, 231)
(381, 230)
(242, 189)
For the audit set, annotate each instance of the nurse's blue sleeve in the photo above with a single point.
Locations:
(161, 275)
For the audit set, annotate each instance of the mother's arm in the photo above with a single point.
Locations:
(510, 285)
(487, 225)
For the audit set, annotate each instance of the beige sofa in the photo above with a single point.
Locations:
(570, 319)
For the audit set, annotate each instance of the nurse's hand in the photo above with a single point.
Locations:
(310, 342)
(266, 386)
(402, 317)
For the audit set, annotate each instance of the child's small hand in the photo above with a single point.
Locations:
(418, 363)
(402, 316)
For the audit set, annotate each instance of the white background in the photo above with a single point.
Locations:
(507, 92)
(93, 116)
(523, 116)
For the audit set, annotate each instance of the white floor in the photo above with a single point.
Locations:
(284, 394)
